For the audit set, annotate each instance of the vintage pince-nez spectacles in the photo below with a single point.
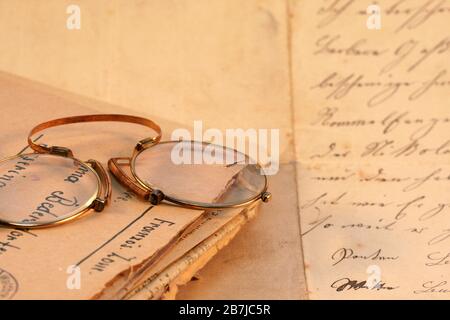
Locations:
(51, 186)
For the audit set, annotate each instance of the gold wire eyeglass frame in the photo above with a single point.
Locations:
(156, 196)
(101, 197)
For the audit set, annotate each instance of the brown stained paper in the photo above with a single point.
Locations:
(126, 236)
(372, 135)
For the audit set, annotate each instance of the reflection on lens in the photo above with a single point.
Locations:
(200, 173)
(38, 189)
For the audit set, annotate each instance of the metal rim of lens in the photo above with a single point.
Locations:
(87, 206)
(189, 203)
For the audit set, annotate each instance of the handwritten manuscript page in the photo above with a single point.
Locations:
(373, 146)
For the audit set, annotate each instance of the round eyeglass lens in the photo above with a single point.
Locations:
(200, 174)
(41, 189)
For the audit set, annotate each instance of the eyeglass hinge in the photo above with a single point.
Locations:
(61, 151)
(266, 196)
(99, 204)
(145, 143)
(156, 197)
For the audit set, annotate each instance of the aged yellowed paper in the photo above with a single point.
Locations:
(180, 271)
(373, 146)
